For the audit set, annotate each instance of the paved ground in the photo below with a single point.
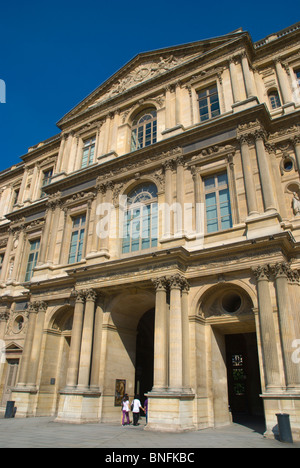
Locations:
(45, 433)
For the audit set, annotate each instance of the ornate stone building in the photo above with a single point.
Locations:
(153, 245)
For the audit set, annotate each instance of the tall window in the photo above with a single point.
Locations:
(77, 239)
(274, 99)
(141, 219)
(88, 152)
(15, 197)
(47, 179)
(144, 129)
(217, 201)
(209, 105)
(32, 259)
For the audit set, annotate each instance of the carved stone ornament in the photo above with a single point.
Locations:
(140, 74)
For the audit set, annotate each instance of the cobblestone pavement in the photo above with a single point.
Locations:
(45, 433)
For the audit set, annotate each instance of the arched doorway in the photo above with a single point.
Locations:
(144, 355)
(233, 363)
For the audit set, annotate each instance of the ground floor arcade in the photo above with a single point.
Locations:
(203, 350)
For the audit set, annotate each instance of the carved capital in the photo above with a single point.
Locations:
(261, 273)
(160, 284)
(91, 295)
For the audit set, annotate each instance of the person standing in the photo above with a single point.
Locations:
(135, 408)
(146, 409)
(125, 410)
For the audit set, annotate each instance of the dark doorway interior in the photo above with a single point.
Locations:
(244, 386)
(145, 355)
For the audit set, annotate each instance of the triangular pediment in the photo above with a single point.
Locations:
(145, 67)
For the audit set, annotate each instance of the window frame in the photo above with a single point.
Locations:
(142, 216)
(141, 129)
(79, 243)
(45, 179)
(88, 144)
(273, 93)
(31, 264)
(207, 97)
(216, 189)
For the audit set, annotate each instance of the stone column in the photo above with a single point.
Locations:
(197, 198)
(247, 77)
(267, 329)
(175, 335)
(23, 186)
(7, 255)
(45, 236)
(185, 335)
(23, 372)
(97, 342)
(282, 81)
(87, 341)
(56, 210)
(101, 190)
(248, 177)
(4, 316)
(296, 142)
(74, 355)
(59, 162)
(41, 308)
(265, 173)
(168, 218)
(161, 336)
(234, 82)
(180, 190)
(283, 272)
(19, 254)
(104, 243)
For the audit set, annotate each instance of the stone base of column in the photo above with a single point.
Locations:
(246, 104)
(266, 224)
(79, 407)
(171, 411)
(25, 399)
(288, 403)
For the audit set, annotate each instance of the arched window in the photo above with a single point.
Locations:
(141, 219)
(274, 99)
(144, 129)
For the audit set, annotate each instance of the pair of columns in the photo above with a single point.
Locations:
(264, 171)
(171, 342)
(84, 356)
(32, 347)
(289, 323)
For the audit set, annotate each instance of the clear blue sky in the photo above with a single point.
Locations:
(54, 53)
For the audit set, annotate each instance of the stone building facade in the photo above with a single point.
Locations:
(153, 245)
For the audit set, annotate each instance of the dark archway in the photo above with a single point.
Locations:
(145, 355)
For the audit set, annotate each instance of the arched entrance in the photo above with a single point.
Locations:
(144, 355)
(233, 355)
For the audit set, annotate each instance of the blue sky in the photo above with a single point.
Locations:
(55, 53)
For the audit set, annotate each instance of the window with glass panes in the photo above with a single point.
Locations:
(274, 99)
(88, 152)
(32, 259)
(209, 105)
(47, 179)
(217, 203)
(141, 219)
(77, 239)
(144, 129)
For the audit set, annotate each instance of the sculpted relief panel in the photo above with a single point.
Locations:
(143, 72)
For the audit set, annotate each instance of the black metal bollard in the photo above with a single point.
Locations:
(284, 426)
(10, 410)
